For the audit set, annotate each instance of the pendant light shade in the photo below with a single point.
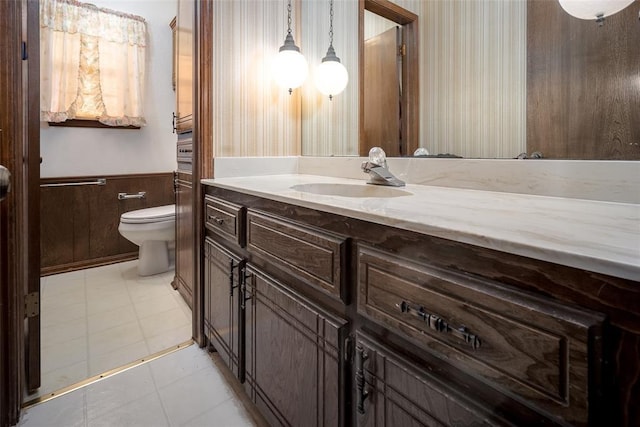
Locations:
(595, 10)
(289, 67)
(331, 77)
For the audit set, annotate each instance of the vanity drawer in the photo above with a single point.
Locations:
(524, 345)
(312, 255)
(225, 219)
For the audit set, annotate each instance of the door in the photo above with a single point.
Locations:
(19, 211)
(184, 278)
(383, 89)
(184, 70)
(294, 359)
(222, 311)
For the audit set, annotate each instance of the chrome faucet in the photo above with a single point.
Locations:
(378, 171)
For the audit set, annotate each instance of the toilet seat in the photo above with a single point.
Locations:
(149, 215)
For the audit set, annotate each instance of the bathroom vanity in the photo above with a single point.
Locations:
(338, 303)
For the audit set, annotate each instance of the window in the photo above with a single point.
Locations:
(92, 64)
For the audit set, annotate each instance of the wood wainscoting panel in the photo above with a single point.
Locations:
(79, 223)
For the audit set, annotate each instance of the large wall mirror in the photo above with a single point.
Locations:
(497, 78)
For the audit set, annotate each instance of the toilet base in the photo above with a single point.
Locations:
(153, 258)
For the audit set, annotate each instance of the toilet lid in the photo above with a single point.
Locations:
(159, 213)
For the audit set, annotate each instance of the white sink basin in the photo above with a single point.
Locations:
(351, 190)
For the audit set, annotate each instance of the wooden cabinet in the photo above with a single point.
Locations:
(222, 310)
(294, 367)
(313, 256)
(183, 281)
(521, 343)
(185, 20)
(392, 391)
(346, 322)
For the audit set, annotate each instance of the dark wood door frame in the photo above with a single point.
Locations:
(202, 149)
(19, 249)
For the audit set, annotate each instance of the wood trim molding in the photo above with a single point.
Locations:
(56, 180)
(32, 196)
(12, 210)
(84, 123)
(202, 149)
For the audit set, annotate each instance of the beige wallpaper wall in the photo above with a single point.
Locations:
(252, 115)
(473, 77)
(330, 127)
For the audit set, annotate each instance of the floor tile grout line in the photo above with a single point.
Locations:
(155, 384)
(146, 342)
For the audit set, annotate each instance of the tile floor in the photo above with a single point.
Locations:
(183, 388)
(97, 319)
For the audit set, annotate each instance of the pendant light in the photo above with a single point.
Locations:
(594, 9)
(331, 77)
(289, 67)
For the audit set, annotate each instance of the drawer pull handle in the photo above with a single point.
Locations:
(217, 220)
(139, 195)
(440, 325)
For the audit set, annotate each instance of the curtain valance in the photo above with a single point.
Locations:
(92, 63)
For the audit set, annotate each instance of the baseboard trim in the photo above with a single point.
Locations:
(89, 263)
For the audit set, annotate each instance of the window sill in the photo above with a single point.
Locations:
(79, 123)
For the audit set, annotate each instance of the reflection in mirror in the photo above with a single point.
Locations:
(389, 104)
(501, 78)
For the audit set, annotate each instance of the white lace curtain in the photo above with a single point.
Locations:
(92, 64)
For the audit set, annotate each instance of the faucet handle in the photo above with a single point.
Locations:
(378, 156)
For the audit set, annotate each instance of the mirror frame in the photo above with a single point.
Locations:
(410, 101)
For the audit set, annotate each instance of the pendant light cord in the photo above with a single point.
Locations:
(289, 17)
(331, 23)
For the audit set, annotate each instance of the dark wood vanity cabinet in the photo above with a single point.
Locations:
(285, 349)
(520, 343)
(337, 321)
(222, 314)
(392, 391)
(294, 365)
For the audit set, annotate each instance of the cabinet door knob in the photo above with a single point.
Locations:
(217, 220)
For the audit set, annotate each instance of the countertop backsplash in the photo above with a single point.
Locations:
(610, 181)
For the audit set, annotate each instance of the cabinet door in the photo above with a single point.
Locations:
(391, 391)
(294, 368)
(184, 237)
(184, 70)
(222, 304)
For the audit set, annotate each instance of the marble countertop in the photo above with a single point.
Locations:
(597, 236)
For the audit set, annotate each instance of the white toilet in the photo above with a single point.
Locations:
(153, 229)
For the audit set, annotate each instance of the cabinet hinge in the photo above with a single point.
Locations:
(32, 304)
(24, 51)
(402, 50)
